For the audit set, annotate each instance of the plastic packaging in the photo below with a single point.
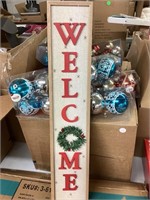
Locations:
(29, 92)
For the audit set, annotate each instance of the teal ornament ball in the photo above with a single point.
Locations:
(35, 101)
(20, 88)
(26, 109)
(44, 59)
(106, 67)
(117, 102)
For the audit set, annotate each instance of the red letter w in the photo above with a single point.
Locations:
(70, 28)
(75, 161)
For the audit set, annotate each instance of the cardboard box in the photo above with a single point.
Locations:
(141, 56)
(6, 140)
(102, 189)
(36, 186)
(147, 163)
(27, 186)
(20, 59)
(36, 132)
(143, 130)
(26, 17)
(131, 8)
(102, 30)
(5, 13)
(140, 5)
(10, 127)
(112, 146)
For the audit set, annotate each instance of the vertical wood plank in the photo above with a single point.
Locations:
(69, 51)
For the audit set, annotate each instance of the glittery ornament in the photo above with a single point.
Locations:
(116, 51)
(35, 101)
(108, 85)
(95, 50)
(26, 109)
(111, 48)
(110, 45)
(129, 83)
(46, 106)
(41, 83)
(93, 73)
(20, 88)
(97, 102)
(116, 102)
(106, 67)
(44, 59)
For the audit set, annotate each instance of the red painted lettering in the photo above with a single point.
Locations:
(66, 89)
(68, 182)
(69, 163)
(68, 61)
(64, 113)
(70, 28)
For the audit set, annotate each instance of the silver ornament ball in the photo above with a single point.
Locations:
(46, 106)
(110, 45)
(108, 85)
(93, 73)
(41, 83)
(96, 103)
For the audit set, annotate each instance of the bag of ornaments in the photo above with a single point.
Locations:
(29, 92)
(106, 61)
(112, 103)
(129, 80)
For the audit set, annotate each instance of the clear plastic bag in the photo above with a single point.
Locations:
(29, 92)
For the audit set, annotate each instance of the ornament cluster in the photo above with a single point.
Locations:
(111, 88)
(29, 92)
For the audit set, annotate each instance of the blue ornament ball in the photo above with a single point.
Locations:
(106, 67)
(20, 88)
(35, 101)
(117, 102)
(44, 59)
(26, 109)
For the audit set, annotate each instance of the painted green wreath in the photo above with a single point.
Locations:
(71, 145)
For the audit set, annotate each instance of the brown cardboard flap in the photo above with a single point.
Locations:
(21, 59)
(6, 141)
(145, 81)
(40, 16)
(39, 176)
(36, 132)
(43, 7)
(114, 187)
(20, 7)
(5, 106)
(131, 8)
(139, 55)
(4, 12)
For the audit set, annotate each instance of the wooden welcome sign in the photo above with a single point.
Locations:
(69, 47)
